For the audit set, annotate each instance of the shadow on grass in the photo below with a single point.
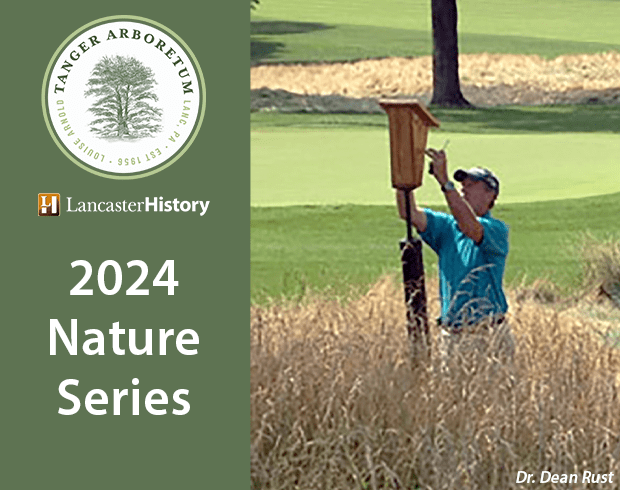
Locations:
(496, 120)
(262, 49)
(284, 27)
(587, 118)
(310, 42)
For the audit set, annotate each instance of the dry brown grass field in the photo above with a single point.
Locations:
(336, 402)
(487, 79)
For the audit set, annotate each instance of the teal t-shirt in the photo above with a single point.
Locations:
(470, 274)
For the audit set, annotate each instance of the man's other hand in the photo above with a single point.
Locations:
(439, 164)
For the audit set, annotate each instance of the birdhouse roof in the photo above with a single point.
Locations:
(415, 105)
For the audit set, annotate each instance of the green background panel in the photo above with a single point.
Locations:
(207, 448)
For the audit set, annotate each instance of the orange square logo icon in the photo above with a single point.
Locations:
(49, 204)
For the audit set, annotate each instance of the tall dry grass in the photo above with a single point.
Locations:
(601, 265)
(336, 402)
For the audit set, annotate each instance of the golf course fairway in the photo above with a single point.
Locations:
(352, 166)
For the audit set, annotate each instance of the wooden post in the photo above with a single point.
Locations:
(409, 123)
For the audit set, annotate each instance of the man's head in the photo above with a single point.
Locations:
(480, 188)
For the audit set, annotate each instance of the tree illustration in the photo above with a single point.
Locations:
(123, 109)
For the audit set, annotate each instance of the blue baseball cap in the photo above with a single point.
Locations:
(479, 173)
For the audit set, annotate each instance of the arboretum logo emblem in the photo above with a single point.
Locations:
(123, 97)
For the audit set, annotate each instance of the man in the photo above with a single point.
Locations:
(472, 247)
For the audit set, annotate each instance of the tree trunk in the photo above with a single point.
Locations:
(446, 85)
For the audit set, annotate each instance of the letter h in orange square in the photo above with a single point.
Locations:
(49, 204)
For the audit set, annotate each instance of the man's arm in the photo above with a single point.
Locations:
(418, 216)
(459, 207)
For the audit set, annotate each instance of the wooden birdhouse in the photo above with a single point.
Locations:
(409, 123)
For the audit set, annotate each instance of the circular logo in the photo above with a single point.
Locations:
(123, 97)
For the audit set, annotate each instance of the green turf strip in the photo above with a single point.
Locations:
(591, 118)
(579, 20)
(315, 30)
(297, 166)
(276, 41)
(334, 248)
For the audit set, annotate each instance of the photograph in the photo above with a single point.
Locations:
(435, 244)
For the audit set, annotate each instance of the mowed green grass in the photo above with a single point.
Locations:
(556, 184)
(567, 153)
(352, 167)
(342, 249)
(321, 30)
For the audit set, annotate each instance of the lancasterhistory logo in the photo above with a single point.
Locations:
(123, 97)
(49, 204)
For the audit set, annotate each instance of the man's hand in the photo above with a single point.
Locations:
(460, 208)
(439, 165)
